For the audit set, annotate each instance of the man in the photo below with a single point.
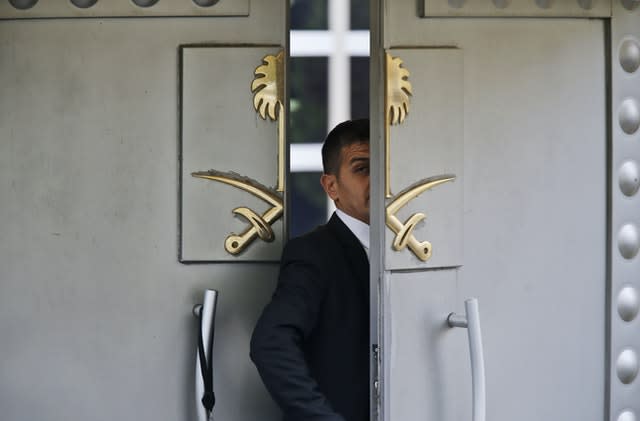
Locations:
(311, 344)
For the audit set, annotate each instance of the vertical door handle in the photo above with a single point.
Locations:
(206, 315)
(471, 321)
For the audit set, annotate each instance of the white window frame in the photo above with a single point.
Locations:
(339, 44)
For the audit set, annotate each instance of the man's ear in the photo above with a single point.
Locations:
(329, 184)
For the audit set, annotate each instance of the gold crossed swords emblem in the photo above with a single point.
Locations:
(268, 101)
(259, 225)
(404, 232)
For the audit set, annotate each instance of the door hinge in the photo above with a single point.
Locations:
(376, 390)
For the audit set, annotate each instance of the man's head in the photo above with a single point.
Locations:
(345, 159)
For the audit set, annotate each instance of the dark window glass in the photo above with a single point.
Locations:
(308, 14)
(359, 87)
(308, 99)
(308, 202)
(359, 14)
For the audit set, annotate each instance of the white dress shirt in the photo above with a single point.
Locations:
(357, 227)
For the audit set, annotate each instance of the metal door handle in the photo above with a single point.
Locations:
(471, 321)
(206, 313)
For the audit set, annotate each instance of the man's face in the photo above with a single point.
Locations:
(349, 189)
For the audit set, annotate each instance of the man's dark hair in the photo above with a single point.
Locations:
(344, 134)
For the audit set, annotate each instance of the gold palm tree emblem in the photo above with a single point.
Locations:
(398, 90)
(397, 102)
(268, 100)
(268, 87)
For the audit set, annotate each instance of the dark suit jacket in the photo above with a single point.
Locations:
(311, 344)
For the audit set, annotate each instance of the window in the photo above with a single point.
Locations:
(329, 83)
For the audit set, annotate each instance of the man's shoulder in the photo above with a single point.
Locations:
(334, 235)
(317, 238)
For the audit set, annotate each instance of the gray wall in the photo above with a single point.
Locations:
(95, 310)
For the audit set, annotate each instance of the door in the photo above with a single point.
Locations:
(492, 139)
(113, 115)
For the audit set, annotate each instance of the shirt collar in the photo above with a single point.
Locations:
(357, 227)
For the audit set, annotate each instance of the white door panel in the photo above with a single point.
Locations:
(428, 363)
(533, 227)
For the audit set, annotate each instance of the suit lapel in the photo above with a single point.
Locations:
(356, 256)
